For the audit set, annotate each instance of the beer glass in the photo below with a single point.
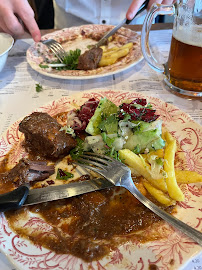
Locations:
(183, 71)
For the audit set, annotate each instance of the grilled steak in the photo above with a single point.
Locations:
(90, 59)
(43, 136)
(27, 171)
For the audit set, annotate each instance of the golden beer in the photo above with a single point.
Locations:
(183, 70)
(185, 62)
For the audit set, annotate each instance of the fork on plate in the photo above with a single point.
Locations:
(120, 175)
(57, 49)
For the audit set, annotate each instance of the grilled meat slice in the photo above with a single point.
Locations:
(27, 171)
(43, 136)
(90, 59)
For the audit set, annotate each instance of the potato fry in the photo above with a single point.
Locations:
(120, 53)
(110, 50)
(133, 160)
(159, 153)
(111, 55)
(107, 61)
(110, 39)
(134, 172)
(187, 177)
(127, 45)
(173, 189)
(168, 137)
(158, 194)
(104, 48)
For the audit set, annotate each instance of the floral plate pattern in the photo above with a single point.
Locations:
(171, 252)
(80, 37)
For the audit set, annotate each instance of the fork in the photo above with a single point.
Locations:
(56, 48)
(120, 175)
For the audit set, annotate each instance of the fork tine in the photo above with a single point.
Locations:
(60, 51)
(56, 48)
(59, 46)
(92, 157)
(90, 162)
(56, 53)
(100, 156)
(89, 167)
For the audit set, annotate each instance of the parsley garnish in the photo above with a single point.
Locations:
(63, 175)
(43, 66)
(78, 150)
(159, 161)
(39, 87)
(109, 141)
(137, 149)
(71, 59)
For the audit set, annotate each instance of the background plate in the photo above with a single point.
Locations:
(72, 38)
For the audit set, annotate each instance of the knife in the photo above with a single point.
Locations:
(104, 39)
(23, 196)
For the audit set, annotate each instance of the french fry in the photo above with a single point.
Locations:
(133, 160)
(107, 61)
(120, 53)
(159, 153)
(134, 172)
(111, 55)
(112, 58)
(173, 189)
(110, 39)
(159, 195)
(187, 177)
(168, 137)
(127, 45)
(110, 50)
(104, 48)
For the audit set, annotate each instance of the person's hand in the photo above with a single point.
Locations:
(136, 4)
(14, 11)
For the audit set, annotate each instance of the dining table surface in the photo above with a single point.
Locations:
(18, 95)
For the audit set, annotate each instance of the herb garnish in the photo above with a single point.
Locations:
(39, 87)
(78, 150)
(43, 66)
(70, 60)
(68, 130)
(63, 175)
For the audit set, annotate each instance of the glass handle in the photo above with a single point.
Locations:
(154, 11)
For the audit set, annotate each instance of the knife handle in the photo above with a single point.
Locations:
(143, 7)
(13, 199)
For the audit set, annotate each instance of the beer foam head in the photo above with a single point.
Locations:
(191, 34)
(188, 24)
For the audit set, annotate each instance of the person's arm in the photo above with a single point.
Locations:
(10, 11)
(136, 4)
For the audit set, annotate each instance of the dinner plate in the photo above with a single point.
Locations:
(79, 38)
(171, 252)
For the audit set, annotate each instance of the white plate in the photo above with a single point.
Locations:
(73, 38)
(169, 253)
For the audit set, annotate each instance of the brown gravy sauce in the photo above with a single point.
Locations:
(88, 226)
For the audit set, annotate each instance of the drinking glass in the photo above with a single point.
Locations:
(183, 70)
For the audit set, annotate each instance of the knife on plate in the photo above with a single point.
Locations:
(104, 39)
(23, 196)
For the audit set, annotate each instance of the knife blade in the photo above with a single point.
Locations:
(23, 196)
(104, 39)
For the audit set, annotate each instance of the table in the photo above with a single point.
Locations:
(18, 96)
